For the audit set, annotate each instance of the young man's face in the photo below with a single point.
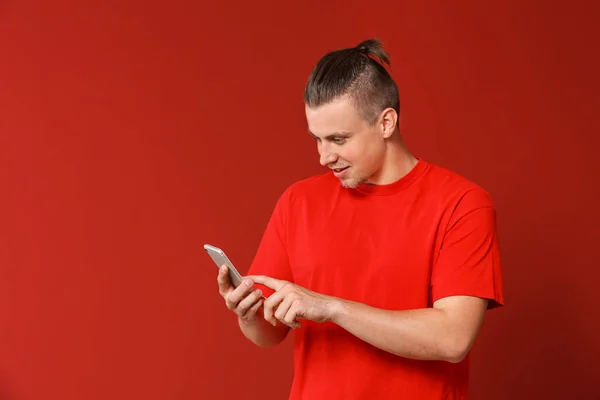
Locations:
(346, 143)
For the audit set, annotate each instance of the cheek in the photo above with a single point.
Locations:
(365, 156)
(349, 154)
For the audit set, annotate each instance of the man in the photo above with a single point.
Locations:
(384, 266)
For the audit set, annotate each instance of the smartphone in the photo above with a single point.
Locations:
(220, 258)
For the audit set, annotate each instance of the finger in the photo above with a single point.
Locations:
(269, 282)
(290, 318)
(248, 302)
(271, 304)
(238, 294)
(224, 281)
(251, 312)
(283, 307)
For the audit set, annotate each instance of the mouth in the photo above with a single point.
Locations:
(339, 172)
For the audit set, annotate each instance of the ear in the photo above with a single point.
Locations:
(389, 122)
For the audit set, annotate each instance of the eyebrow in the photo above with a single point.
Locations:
(333, 135)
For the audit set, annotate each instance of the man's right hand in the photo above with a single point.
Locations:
(244, 301)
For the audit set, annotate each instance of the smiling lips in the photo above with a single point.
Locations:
(339, 171)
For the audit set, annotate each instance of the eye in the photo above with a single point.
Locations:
(339, 140)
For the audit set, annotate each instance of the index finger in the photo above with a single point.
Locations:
(269, 282)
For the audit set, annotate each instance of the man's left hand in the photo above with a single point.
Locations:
(291, 301)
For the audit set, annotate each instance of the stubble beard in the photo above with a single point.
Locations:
(352, 182)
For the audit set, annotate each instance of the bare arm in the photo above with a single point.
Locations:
(246, 303)
(445, 332)
(261, 332)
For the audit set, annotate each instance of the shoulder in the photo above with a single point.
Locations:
(308, 187)
(454, 189)
(458, 201)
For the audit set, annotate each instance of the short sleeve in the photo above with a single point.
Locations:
(272, 258)
(469, 261)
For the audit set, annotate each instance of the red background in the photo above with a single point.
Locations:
(133, 132)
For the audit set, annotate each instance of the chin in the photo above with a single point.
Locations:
(351, 183)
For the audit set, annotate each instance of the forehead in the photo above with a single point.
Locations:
(337, 116)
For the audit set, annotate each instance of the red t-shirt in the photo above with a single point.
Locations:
(401, 246)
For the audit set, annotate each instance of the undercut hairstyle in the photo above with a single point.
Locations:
(358, 72)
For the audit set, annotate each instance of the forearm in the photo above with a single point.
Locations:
(261, 332)
(422, 334)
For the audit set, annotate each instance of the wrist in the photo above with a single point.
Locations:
(248, 321)
(338, 309)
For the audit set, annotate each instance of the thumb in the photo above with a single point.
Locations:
(224, 281)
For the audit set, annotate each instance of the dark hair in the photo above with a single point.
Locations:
(358, 72)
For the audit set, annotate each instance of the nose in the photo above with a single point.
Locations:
(327, 156)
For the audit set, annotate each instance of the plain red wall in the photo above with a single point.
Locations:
(133, 132)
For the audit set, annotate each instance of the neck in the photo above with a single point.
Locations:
(397, 163)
